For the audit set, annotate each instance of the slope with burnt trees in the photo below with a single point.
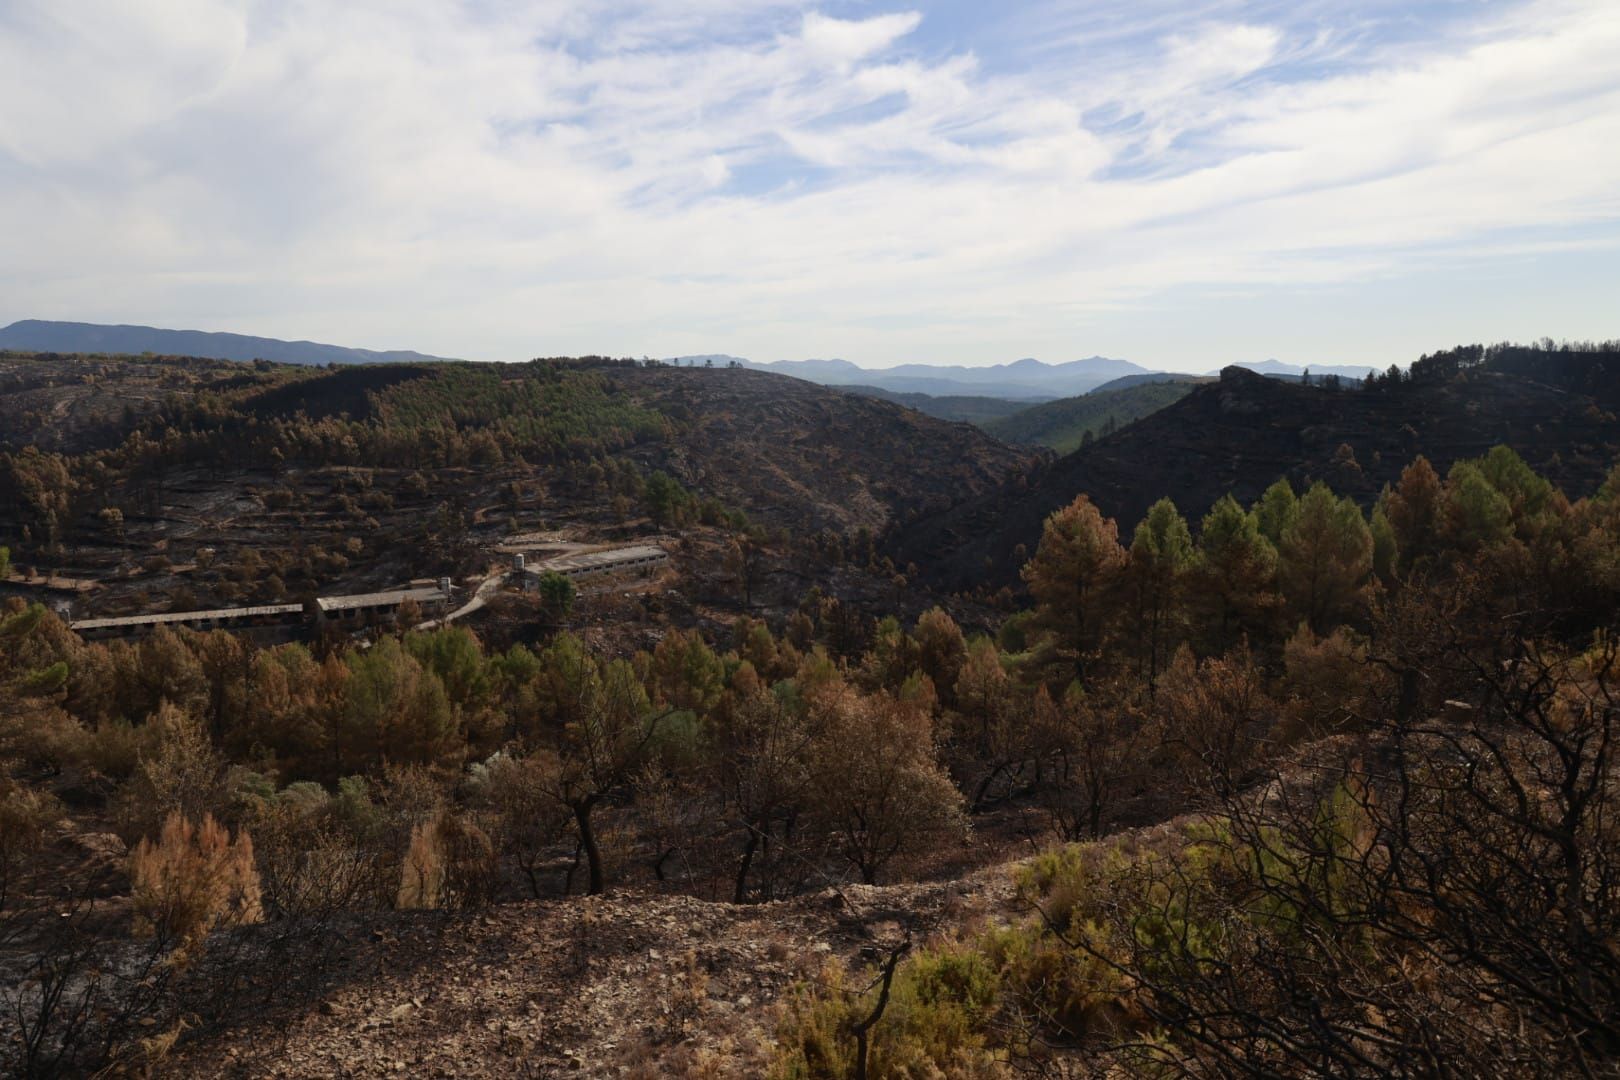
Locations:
(1239, 434)
(271, 481)
(788, 450)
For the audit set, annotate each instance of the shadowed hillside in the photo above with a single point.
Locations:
(285, 481)
(794, 452)
(973, 409)
(1241, 433)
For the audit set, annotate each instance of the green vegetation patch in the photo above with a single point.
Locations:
(1064, 425)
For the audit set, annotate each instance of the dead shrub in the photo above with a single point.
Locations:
(450, 863)
(192, 879)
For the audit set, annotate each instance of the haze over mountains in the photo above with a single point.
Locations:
(1027, 380)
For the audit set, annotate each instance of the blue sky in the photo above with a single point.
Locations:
(1179, 184)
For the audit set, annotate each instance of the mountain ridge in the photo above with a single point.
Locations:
(1025, 379)
(1242, 432)
(44, 335)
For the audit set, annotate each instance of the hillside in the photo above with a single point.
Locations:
(1062, 425)
(1126, 381)
(1239, 434)
(800, 455)
(969, 409)
(290, 480)
(36, 335)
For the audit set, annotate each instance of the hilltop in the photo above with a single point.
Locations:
(1276, 369)
(636, 983)
(37, 335)
(1239, 434)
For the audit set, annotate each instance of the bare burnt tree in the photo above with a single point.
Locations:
(1445, 906)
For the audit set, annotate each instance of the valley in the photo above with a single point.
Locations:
(591, 716)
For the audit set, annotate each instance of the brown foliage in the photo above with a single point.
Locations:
(450, 863)
(190, 880)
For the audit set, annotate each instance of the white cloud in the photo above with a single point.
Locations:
(665, 176)
(845, 41)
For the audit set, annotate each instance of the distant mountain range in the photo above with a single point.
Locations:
(976, 409)
(1022, 380)
(37, 335)
(1026, 380)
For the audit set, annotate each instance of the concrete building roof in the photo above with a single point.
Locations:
(587, 561)
(392, 598)
(172, 617)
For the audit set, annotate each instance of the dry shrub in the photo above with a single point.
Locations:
(312, 862)
(44, 739)
(1326, 680)
(522, 816)
(450, 863)
(25, 815)
(114, 748)
(688, 999)
(191, 880)
(1216, 713)
(723, 1061)
(933, 1024)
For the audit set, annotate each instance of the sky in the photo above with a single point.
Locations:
(1183, 185)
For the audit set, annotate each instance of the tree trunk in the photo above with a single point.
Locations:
(587, 841)
(1080, 635)
(740, 892)
(573, 868)
(534, 879)
(865, 1026)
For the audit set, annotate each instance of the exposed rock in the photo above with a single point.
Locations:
(620, 985)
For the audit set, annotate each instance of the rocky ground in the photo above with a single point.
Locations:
(624, 985)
